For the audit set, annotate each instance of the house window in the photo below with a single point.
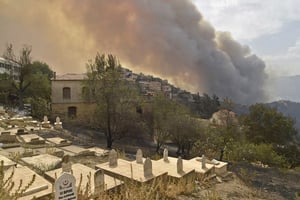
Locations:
(72, 112)
(66, 93)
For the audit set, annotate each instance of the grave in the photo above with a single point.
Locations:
(65, 187)
(220, 167)
(176, 167)
(43, 162)
(126, 170)
(46, 123)
(31, 139)
(66, 165)
(99, 151)
(7, 137)
(57, 123)
(165, 155)
(201, 166)
(110, 183)
(7, 163)
(57, 141)
(76, 150)
(40, 187)
(139, 156)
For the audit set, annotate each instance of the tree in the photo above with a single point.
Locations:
(267, 125)
(206, 105)
(184, 131)
(24, 62)
(33, 84)
(116, 98)
(163, 110)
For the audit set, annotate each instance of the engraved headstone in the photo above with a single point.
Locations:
(139, 156)
(66, 164)
(203, 162)
(148, 168)
(99, 181)
(165, 155)
(113, 158)
(65, 187)
(179, 165)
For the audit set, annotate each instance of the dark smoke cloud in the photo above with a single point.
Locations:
(168, 38)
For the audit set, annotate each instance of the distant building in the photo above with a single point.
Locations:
(67, 97)
(9, 67)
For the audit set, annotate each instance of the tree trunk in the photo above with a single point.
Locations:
(21, 104)
(109, 141)
(157, 146)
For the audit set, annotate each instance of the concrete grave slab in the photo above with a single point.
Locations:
(75, 150)
(44, 161)
(32, 139)
(170, 166)
(79, 169)
(10, 152)
(130, 170)
(99, 151)
(220, 167)
(59, 141)
(39, 188)
(6, 162)
(196, 163)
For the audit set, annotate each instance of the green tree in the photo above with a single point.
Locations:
(266, 125)
(116, 99)
(184, 131)
(33, 81)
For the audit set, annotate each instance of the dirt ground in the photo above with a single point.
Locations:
(250, 182)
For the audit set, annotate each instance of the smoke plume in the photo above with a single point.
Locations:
(167, 38)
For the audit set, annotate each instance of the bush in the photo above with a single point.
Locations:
(263, 153)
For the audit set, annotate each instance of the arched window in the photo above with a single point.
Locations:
(66, 93)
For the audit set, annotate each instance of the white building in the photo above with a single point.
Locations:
(9, 67)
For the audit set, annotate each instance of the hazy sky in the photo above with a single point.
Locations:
(270, 27)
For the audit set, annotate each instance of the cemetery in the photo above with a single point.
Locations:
(44, 152)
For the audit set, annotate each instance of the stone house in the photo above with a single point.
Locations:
(67, 98)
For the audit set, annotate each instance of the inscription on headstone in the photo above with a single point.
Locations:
(113, 158)
(65, 187)
(148, 168)
(139, 156)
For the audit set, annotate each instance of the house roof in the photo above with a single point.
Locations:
(70, 76)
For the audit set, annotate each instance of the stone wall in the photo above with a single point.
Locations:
(84, 111)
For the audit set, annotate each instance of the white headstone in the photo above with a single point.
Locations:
(179, 165)
(165, 155)
(139, 156)
(203, 162)
(99, 181)
(45, 119)
(113, 158)
(65, 187)
(66, 164)
(57, 120)
(148, 168)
